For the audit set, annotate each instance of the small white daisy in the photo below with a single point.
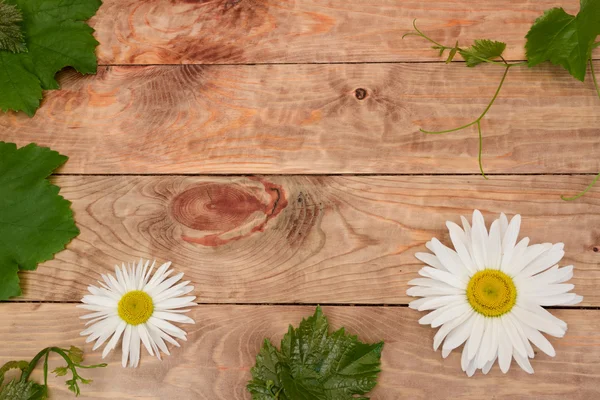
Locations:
(488, 293)
(139, 308)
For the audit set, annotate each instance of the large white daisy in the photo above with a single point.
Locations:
(138, 307)
(489, 291)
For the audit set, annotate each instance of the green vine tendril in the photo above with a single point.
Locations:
(507, 66)
(591, 185)
(73, 357)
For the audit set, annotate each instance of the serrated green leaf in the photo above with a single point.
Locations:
(11, 36)
(314, 365)
(18, 390)
(56, 37)
(482, 50)
(35, 222)
(565, 39)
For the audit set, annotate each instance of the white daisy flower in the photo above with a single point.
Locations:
(139, 308)
(489, 291)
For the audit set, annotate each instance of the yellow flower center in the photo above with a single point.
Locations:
(491, 292)
(136, 307)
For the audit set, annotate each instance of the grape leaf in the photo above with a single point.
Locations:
(482, 50)
(11, 37)
(314, 365)
(56, 37)
(19, 390)
(564, 39)
(35, 222)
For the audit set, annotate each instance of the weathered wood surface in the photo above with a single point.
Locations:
(304, 31)
(310, 119)
(279, 239)
(215, 362)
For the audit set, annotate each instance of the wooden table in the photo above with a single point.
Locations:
(270, 149)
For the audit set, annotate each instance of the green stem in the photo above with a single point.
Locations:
(482, 114)
(449, 130)
(597, 44)
(46, 369)
(594, 77)
(33, 363)
(587, 189)
(478, 120)
(591, 185)
(443, 48)
(480, 149)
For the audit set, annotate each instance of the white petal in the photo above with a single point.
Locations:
(156, 338)
(134, 348)
(524, 303)
(430, 259)
(448, 327)
(144, 336)
(157, 290)
(413, 291)
(99, 301)
(458, 282)
(566, 299)
(494, 247)
(539, 340)
(476, 336)
(432, 303)
(505, 349)
(168, 328)
(167, 316)
(459, 240)
(549, 290)
(459, 334)
(115, 339)
(415, 304)
(454, 311)
(180, 289)
(516, 254)
(553, 256)
(429, 282)
(513, 335)
(108, 331)
(486, 342)
(530, 254)
(126, 345)
(509, 240)
(523, 363)
(503, 224)
(479, 240)
(488, 366)
(449, 259)
(537, 322)
(178, 302)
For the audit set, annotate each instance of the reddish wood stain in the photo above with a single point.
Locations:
(226, 209)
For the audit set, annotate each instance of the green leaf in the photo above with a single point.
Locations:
(481, 51)
(564, 39)
(314, 365)
(56, 37)
(35, 222)
(19, 390)
(452, 53)
(11, 37)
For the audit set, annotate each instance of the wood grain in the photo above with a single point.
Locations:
(299, 239)
(215, 362)
(309, 119)
(304, 31)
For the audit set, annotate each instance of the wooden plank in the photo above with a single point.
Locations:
(309, 119)
(304, 31)
(215, 362)
(278, 239)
